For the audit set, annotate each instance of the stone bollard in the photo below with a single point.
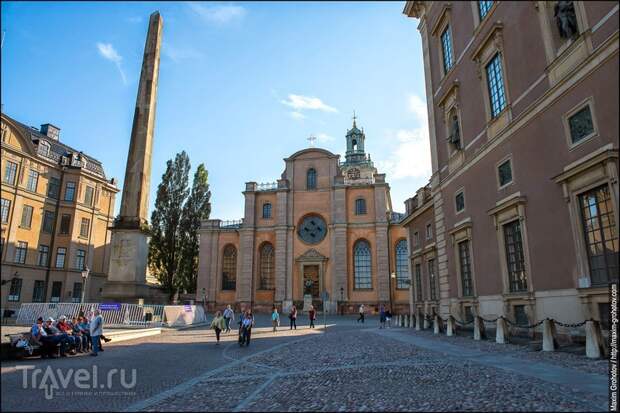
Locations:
(450, 326)
(418, 323)
(411, 321)
(549, 341)
(436, 324)
(478, 328)
(397, 324)
(406, 316)
(501, 332)
(401, 320)
(426, 323)
(595, 344)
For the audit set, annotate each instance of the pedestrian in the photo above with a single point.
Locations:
(388, 318)
(96, 330)
(229, 315)
(275, 319)
(382, 316)
(312, 315)
(361, 312)
(293, 317)
(246, 326)
(218, 325)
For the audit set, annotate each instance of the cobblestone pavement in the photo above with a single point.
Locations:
(347, 368)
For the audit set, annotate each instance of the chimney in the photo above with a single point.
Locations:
(50, 131)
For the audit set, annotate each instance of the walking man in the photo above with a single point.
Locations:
(293, 317)
(229, 315)
(96, 330)
(361, 311)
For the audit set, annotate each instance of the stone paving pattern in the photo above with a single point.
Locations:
(349, 368)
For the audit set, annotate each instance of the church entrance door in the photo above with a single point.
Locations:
(311, 280)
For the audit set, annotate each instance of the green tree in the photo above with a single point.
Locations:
(165, 251)
(195, 210)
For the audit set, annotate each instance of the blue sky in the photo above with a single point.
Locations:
(242, 85)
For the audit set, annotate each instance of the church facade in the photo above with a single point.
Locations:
(325, 226)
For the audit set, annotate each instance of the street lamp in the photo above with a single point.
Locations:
(392, 280)
(85, 275)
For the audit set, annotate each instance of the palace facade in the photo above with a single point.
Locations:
(523, 117)
(57, 206)
(325, 226)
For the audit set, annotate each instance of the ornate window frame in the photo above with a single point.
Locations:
(589, 102)
(492, 45)
(461, 232)
(442, 22)
(355, 245)
(363, 210)
(227, 247)
(450, 103)
(267, 207)
(506, 211)
(478, 22)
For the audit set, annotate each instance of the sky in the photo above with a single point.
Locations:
(241, 85)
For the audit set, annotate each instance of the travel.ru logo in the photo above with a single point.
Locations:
(84, 380)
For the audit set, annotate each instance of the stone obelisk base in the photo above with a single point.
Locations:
(127, 274)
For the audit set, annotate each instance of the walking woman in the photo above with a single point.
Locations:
(361, 311)
(218, 325)
(312, 316)
(275, 319)
(293, 317)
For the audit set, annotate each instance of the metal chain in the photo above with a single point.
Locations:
(489, 321)
(530, 326)
(574, 325)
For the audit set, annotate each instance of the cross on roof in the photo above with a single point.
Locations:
(312, 140)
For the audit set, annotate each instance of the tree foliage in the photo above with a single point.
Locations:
(173, 250)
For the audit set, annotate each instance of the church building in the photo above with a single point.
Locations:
(326, 226)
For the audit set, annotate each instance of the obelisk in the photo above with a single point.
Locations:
(128, 260)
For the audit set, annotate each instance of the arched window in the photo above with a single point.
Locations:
(267, 265)
(266, 210)
(229, 268)
(402, 269)
(360, 206)
(311, 179)
(362, 263)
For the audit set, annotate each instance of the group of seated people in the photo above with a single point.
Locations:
(70, 336)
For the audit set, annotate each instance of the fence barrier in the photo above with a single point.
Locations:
(114, 315)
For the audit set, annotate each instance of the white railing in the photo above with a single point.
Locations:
(114, 315)
(267, 186)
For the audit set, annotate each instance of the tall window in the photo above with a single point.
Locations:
(267, 267)
(459, 202)
(53, 187)
(5, 206)
(504, 173)
(416, 239)
(70, 191)
(311, 179)
(76, 296)
(20, 252)
(495, 83)
(88, 195)
(402, 269)
(446, 46)
(65, 223)
(80, 256)
(360, 206)
(37, 292)
(61, 253)
(15, 290)
(56, 291)
(48, 222)
(33, 180)
(229, 268)
(362, 263)
(44, 252)
(599, 225)
(418, 282)
(85, 227)
(429, 231)
(484, 7)
(266, 210)
(26, 216)
(465, 261)
(10, 172)
(514, 256)
(432, 279)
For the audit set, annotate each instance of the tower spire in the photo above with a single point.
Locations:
(354, 118)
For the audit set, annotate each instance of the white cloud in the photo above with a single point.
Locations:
(411, 156)
(299, 102)
(109, 53)
(297, 115)
(323, 137)
(176, 54)
(220, 14)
